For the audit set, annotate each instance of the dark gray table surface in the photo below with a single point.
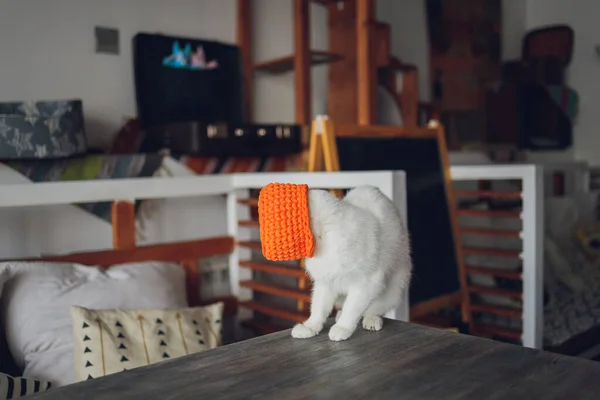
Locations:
(403, 361)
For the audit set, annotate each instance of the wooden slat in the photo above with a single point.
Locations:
(497, 272)
(285, 64)
(169, 252)
(250, 245)
(249, 224)
(302, 62)
(244, 42)
(277, 312)
(488, 194)
(248, 202)
(513, 294)
(123, 224)
(382, 44)
(384, 131)
(275, 290)
(490, 232)
(496, 331)
(489, 213)
(192, 280)
(366, 69)
(496, 310)
(491, 252)
(277, 269)
(438, 128)
(342, 104)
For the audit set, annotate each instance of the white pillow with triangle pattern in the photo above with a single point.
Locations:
(110, 341)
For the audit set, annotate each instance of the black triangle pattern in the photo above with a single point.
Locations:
(159, 321)
(122, 346)
(118, 325)
(88, 364)
(201, 341)
(120, 336)
(195, 322)
(86, 338)
(162, 343)
(160, 332)
(85, 325)
(198, 332)
(87, 350)
(89, 377)
(165, 355)
(123, 359)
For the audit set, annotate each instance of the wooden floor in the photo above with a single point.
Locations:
(403, 361)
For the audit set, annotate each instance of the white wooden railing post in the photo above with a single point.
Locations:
(533, 256)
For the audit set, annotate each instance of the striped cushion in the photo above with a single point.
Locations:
(14, 388)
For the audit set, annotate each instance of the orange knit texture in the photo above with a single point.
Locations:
(284, 222)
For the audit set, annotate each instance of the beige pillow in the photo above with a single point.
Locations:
(109, 341)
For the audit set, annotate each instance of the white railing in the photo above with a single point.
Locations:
(392, 184)
(532, 232)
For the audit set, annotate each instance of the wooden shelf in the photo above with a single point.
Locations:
(286, 64)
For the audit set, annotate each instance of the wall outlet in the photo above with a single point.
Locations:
(107, 40)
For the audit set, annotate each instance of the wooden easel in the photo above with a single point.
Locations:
(322, 146)
(322, 152)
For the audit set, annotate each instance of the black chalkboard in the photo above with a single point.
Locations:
(436, 270)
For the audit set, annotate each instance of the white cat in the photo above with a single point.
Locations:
(362, 260)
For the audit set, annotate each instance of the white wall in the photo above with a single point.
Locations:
(48, 52)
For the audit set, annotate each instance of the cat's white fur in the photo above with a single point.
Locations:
(362, 261)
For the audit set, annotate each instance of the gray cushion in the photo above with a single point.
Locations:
(41, 129)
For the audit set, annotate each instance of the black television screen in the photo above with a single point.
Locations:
(181, 79)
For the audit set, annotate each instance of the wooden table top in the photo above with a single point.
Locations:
(403, 361)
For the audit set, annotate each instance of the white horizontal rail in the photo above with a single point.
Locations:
(317, 180)
(53, 193)
(491, 172)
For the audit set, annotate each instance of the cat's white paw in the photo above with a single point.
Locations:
(372, 323)
(338, 333)
(302, 331)
(337, 315)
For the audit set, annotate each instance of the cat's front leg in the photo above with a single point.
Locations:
(322, 301)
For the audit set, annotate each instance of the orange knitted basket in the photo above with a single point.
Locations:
(284, 222)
